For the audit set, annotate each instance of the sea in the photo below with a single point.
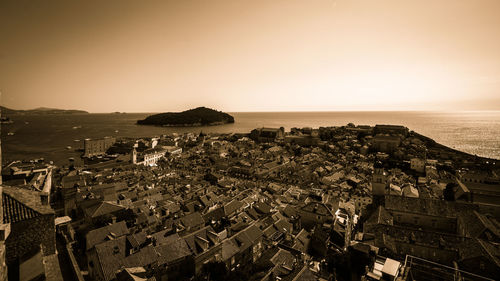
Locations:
(57, 137)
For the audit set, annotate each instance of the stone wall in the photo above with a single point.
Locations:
(3, 265)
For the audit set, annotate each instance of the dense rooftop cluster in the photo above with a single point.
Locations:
(334, 203)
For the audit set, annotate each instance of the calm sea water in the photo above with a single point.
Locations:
(49, 136)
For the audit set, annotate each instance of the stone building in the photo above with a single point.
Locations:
(268, 134)
(4, 233)
(386, 143)
(315, 213)
(379, 180)
(95, 147)
(33, 235)
(391, 129)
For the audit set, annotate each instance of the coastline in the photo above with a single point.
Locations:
(188, 125)
(460, 132)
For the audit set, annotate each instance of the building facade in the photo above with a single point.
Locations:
(96, 147)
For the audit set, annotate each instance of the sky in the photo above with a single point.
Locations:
(250, 55)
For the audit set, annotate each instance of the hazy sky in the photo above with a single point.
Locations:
(250, 55)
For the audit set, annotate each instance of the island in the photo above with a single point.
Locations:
(40, 111)
(200, 116)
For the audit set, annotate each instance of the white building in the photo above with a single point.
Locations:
(151, 156)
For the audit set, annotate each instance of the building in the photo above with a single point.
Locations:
(379, 180)
(315, 213)
(429, 214)
(32, 240)
(268, 134)
(384, 269)
(417, 164)
(303, 140)
(361, 201)
(108, 258)
(4, 234)
(303, 137)
(205, 245)
(386, 143)
(436, 230)
(172, 150)
(4, 229)
(249, 245)
(37, 175)
(149, 157)
(96, 147)
(391, 129)
(416, 268)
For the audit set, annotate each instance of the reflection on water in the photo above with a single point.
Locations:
(49, 136)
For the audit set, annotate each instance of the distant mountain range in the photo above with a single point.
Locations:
(39, 111)
(200, 116)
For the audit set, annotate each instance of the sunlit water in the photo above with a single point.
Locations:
(49, 136)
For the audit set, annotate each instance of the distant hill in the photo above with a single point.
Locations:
(200, 116)
(39, 111)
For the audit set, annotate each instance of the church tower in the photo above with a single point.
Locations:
(134, 156)
(379, 180)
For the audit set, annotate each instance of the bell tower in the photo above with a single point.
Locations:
(379, 180)
(134, 156)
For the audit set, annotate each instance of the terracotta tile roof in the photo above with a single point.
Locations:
(163, 238)
(192, 220)
(247, 237)
(302, 241)
(173, 251)
(103, 208)
(317, 208)
(231, 207)
(283, 257)
(137, 239)
(201, 240)
(215, 214)
(433, 207)
(102, 234)
(21, 204)
(229, 249)
(143, 257)
(111, 256)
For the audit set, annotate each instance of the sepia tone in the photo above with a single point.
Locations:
(250, 140)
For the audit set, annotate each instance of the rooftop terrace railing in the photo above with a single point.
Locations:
(421, 269)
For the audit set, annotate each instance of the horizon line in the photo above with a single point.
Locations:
(311, 111)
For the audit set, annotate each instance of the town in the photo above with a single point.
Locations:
(348, 202)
